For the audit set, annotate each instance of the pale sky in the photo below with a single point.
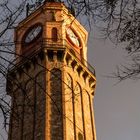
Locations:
(117, 113)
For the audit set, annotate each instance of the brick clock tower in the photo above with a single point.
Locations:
(50, 83)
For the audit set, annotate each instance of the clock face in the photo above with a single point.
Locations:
(33, 33)
(73, 37)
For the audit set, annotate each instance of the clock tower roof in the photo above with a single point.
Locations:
(50, 5)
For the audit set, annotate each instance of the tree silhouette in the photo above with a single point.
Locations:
(118, 20)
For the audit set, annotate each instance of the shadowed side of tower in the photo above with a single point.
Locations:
(51, 83)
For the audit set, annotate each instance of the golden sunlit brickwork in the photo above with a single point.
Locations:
(51, 84)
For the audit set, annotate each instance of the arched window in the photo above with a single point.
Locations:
(54, 34)
(51, 16)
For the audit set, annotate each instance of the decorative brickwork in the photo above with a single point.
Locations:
(16, 116)
(28, 105)
(40, 106)
(28, 110)
(78, 102)
(56, 130)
